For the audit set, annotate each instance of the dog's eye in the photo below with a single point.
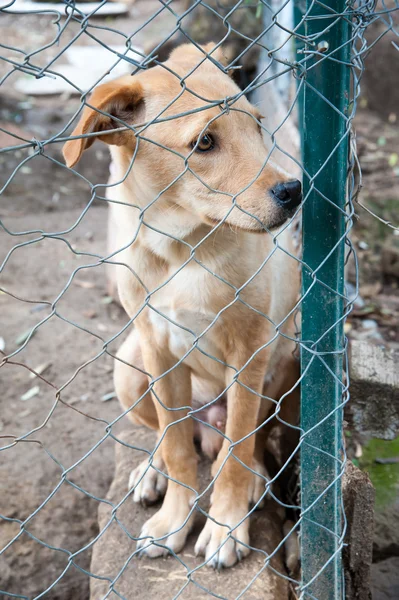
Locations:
(205, 143)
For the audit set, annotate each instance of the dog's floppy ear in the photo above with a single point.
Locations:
(123, 99)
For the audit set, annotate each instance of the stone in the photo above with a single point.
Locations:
(390, 259)
(358, 495)
(164, 578)
(386, 579)
(386, 530)
(374, 388)
(86, 66)
(86, 8)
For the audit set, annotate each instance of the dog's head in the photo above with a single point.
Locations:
(187, 144)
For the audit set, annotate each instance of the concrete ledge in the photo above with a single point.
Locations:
(163, 579)
(374, 389)
(358, 495)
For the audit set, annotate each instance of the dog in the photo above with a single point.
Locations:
(210, 280)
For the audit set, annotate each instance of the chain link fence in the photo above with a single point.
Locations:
(194, 227)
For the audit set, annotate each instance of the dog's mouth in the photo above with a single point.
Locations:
(232, 226)
(259, 229)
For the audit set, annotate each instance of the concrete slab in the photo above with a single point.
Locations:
(374, 388)
(166, 578)
(86, 8)
(87, 66)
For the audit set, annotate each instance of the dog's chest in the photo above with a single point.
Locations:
(185, 318)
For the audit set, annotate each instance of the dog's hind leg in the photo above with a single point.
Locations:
(167, 530)
(280, 398)
(131, 384)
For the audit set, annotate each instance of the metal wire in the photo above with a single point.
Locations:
(70, 26)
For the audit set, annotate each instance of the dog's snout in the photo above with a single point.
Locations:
(288, 195)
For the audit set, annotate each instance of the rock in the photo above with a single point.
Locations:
(386, 531)
(390, 259)
(354, 296)
(367, 330)
(385, 576)
(374, 387)
(88, 8)
(87, 65)
(358, 496)
(371, 337)
(164, 578)
(370, 324)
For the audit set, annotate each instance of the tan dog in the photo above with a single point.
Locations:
(209, 289)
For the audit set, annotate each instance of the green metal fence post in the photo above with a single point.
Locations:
(325, 158)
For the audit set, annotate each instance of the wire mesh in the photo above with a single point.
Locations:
(208, 265)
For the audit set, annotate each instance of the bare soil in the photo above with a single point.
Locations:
(54, 431)
(32, 468)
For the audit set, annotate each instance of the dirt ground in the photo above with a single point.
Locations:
(30, 470)
(45, 198)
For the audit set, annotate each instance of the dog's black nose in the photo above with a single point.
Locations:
(288, 195)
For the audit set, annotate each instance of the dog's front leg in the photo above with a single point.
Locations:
(169, 527)
(225, 537)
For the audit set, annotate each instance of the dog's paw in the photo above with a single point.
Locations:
(147, 483)
(292, 548)
(167, 530)
(257, 488)
(223, 543)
